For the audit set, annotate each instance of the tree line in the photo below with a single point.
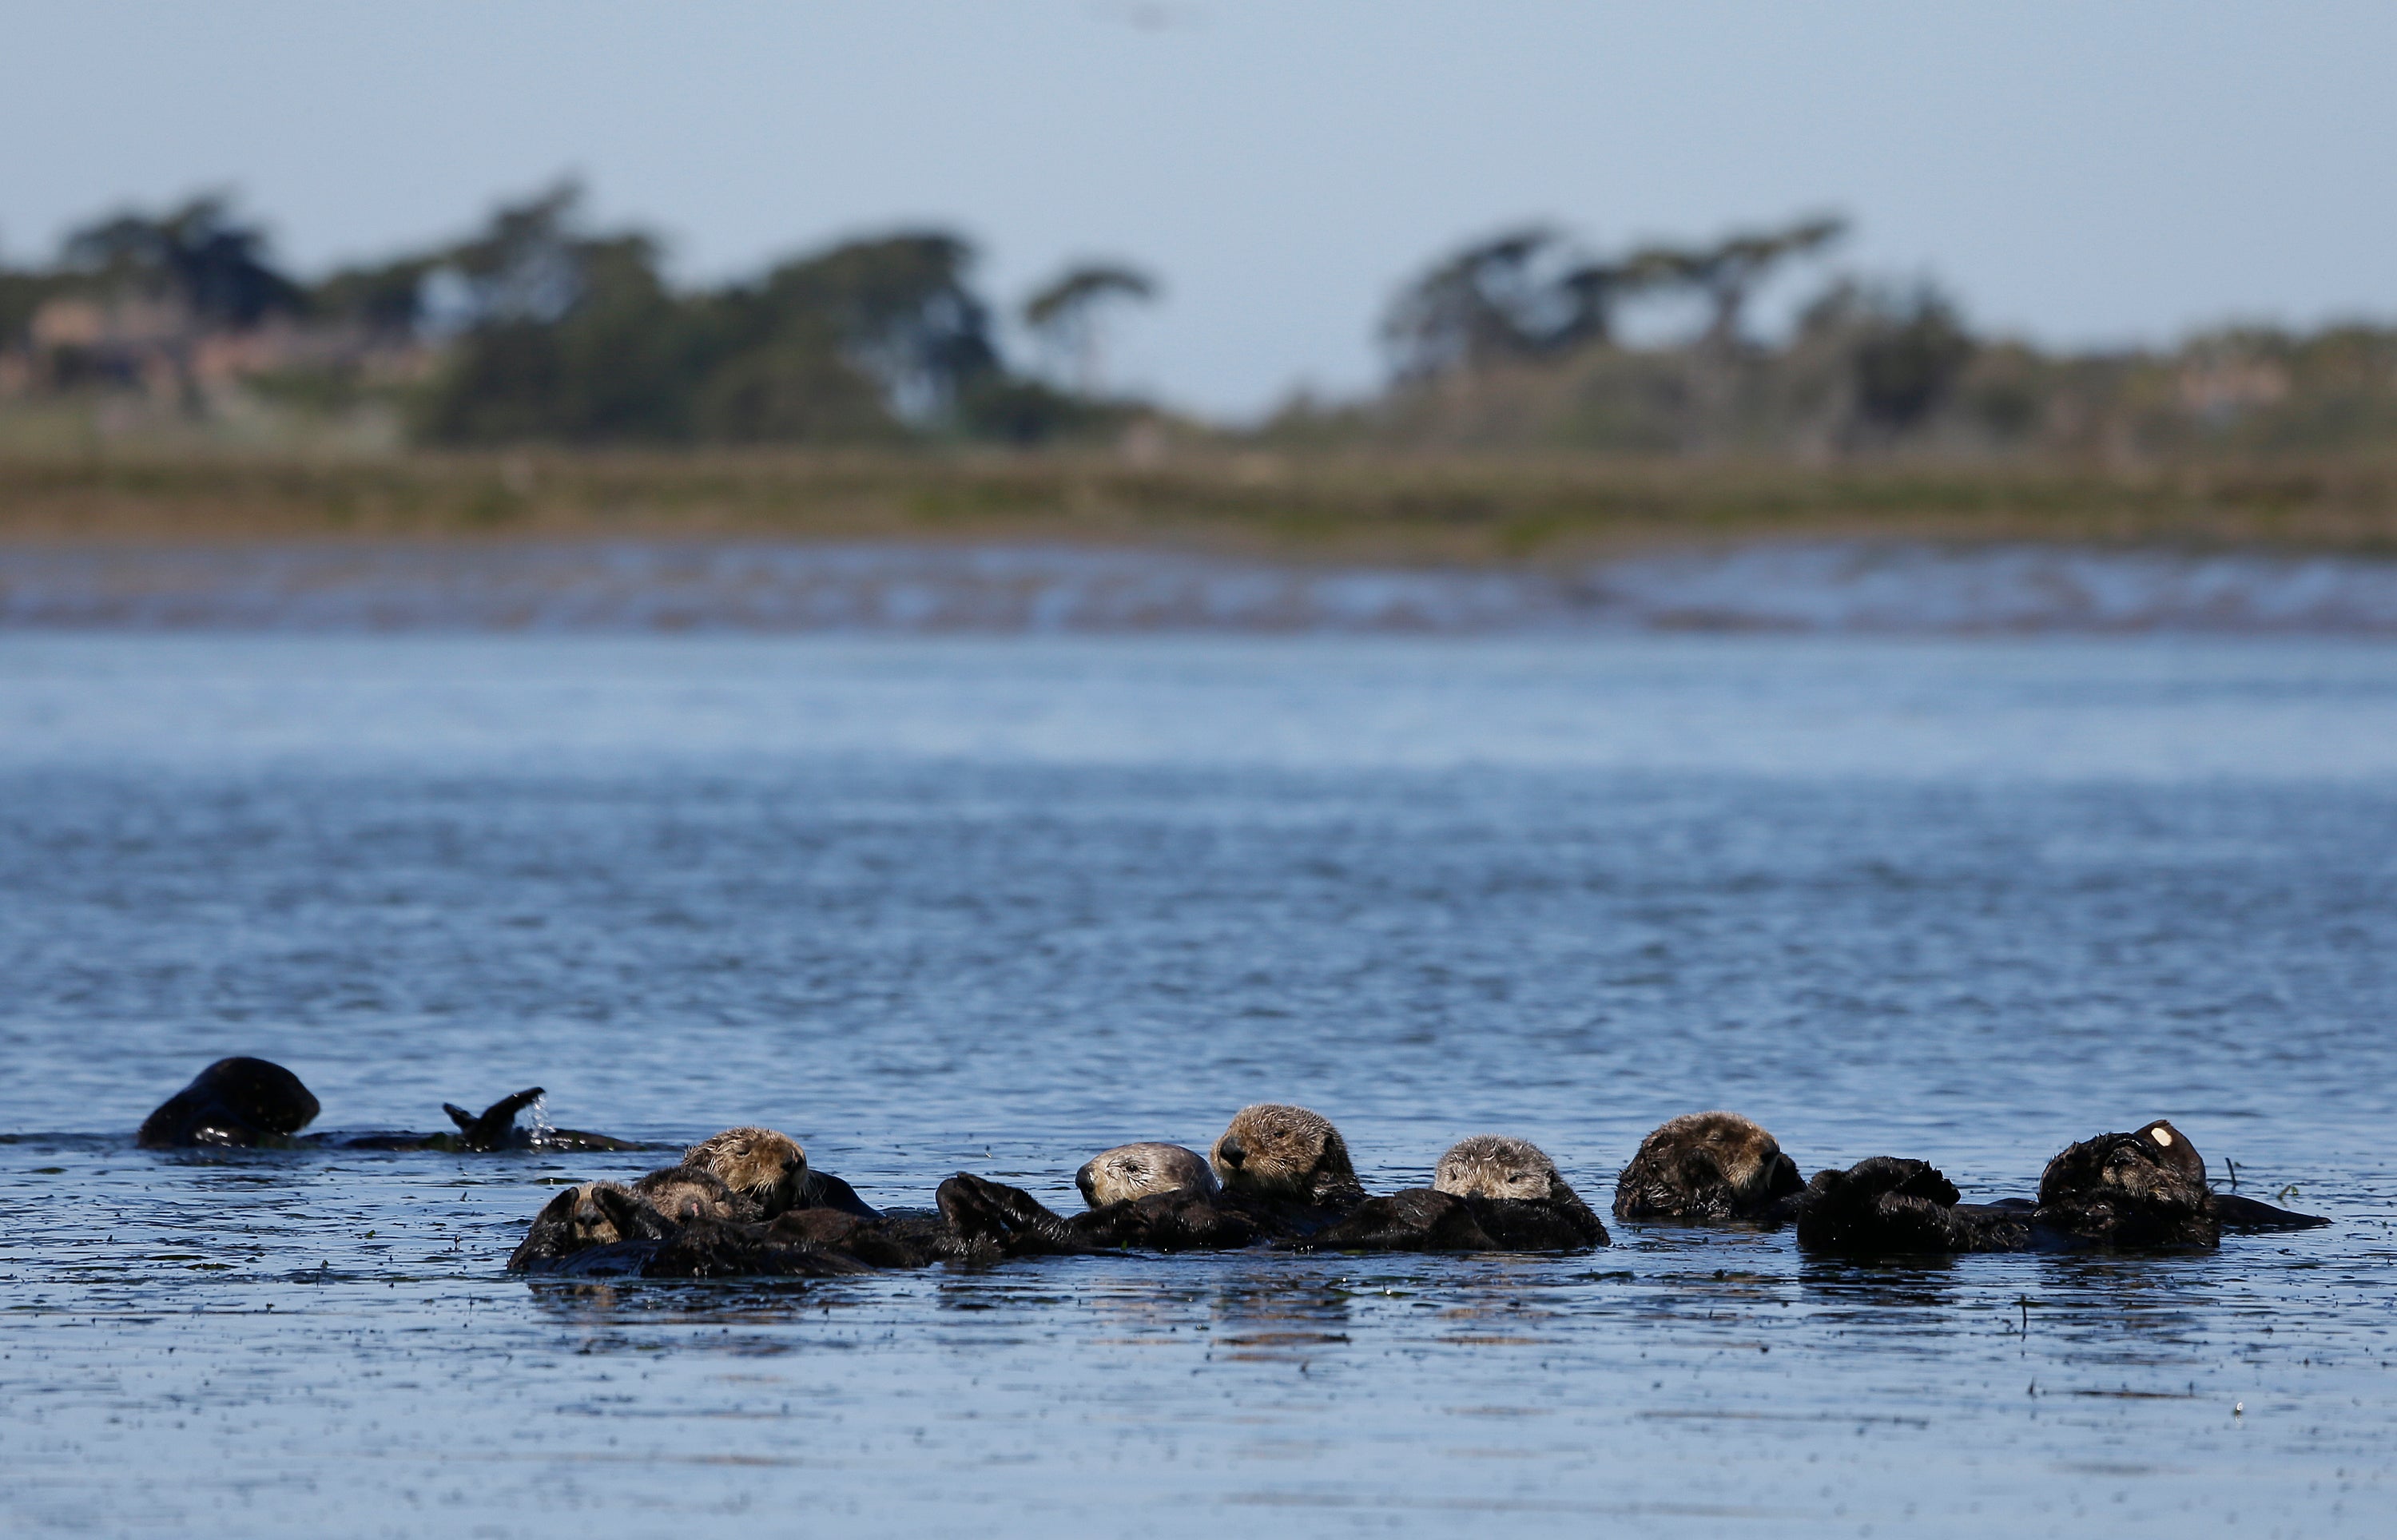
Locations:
(540, 328)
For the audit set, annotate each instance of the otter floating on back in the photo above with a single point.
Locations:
(1489, 1192)
(2141, 1191)
(1706, 1166)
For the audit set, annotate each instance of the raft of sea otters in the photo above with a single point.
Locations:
(746, 1202)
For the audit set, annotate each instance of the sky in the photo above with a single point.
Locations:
(2077, 172)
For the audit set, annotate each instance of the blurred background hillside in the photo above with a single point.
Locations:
(1422, 285)
(180, 326)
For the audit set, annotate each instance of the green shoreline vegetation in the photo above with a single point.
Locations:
(164, 379)
(1402, 506)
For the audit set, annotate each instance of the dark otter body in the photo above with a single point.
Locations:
(1708, 1166)
(2143, 1190)
(1886, 1205)
(233, 1103)
(1489, 1192)
(686, 1222)
(1417, 1219)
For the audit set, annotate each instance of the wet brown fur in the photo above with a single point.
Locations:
(1274, 1150)
(767, 1168)
(1706, 1165)
(684, 1193)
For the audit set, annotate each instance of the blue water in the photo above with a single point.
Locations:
(994, 904)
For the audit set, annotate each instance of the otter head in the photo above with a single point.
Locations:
(233, 1102)
(767, 1168)
(1491, 1165)
(1138, 1170)
(596, 1213)
(685, 1193)
(1706, 1165)
(1279, 1152)
(2157, 1164)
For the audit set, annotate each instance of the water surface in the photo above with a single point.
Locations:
(993, 904)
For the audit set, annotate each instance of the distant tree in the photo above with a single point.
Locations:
(1490, 302)
(1729, 272)
(1066, 313)
(898, 308)
(217, 266)
(1913, 350)
(387, 298)
(1524, 294)
(564, 335)
(526, 263)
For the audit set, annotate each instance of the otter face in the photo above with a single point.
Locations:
(1282, 1151)
(2156, 1164)
(1706, 1165)
(768, 1168)
(1138, 1170)
(592, 1214)
(685, 1193)
(1491, 1165)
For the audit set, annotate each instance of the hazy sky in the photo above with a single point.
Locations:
(2076, 170)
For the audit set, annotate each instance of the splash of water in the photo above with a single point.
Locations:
(545, 1132)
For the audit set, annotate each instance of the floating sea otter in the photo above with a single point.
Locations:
(1277, 1173)
(1708, 1166)
(254, 1103)
(744, 1203)
(2145, 1189)
(237, 1103)
(1283, 1174)
(1488, 1193)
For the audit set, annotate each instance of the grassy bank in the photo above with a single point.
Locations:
(1325, 506)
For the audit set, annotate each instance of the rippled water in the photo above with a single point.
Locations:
(992, 905)
(1833, 586)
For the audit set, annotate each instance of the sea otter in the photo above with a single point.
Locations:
(1284, 1171)
(233, 1103)
(2145, 1189)
(601, 1230)
(1884, 1204)
(743, 1202)
(1518, 1194)
(773, 1172)
(1134, 1171)
(1488, 1193)
(1277, 1172)
(1708, 1166)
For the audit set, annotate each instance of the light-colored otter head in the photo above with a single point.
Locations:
(767, 1168)
(685, 1193)
(1493, 1165)
(1279, 1152)
(1706, 1165)
(1138, 1170)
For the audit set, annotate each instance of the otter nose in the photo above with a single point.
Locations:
(1232, 1150)
(1090, 1188)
